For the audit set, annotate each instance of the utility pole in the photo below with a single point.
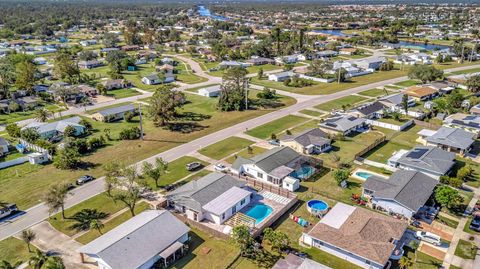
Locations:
(245, 86)
(339, 70)
(141, 123)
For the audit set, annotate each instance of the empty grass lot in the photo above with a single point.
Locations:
(407, 83)
(375, 92)
(13, 250)
(225, 147)
(176, 171)
(348, 101)
(312, 113)
(246, 153)
(111, 224)
(276, 126)
(466, 249)
(123, 93)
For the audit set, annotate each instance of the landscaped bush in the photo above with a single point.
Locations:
(130, 133)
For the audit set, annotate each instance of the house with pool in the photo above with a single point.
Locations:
(276, 166)
(222, 202)
(404, 193)
(357, 235)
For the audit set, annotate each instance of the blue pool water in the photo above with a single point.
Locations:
(364, 175)
(259, 212)
(331, 32)
(205, 12)
(303, 172)
(317, 205)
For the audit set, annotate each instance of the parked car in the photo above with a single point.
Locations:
(220, 167)
(84, 179)
(193, 166)
(8, 210)
(475, 225)
(428, 237)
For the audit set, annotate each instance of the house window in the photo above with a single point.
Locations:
(367, 261)
(260, 175)
(234, 210)
(242, 202)
(223, 216)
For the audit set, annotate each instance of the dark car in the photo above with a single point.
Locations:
(475, 225)
(84, 179)
(193, 166)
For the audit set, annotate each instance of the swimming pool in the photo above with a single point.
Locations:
(303, 172)
(364, 175)
(317, 207)
(259, 212)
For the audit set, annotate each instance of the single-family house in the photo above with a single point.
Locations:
(274, 165)
(130, 47)
(289, 59)
(3, 146)
(373, 110)
(432, 161)
(48, 130)
(231, 64)
(87, 90)
(40, 61)
(113, 84)
(469, 123)
(343, 124)
(282, 76)
(155, 79)
(89, 64)
(403, 193)
(322, 54)
(347, 51)
(450, 139)
(444, 87)
(149, 237)
(214, 198)
(312, 141)
(114, 113)
(371, 63)
(87, 43)
(461, 79)
(260, 61)
(27, 102)
(212, 91)
(421, 93)
(360, 236)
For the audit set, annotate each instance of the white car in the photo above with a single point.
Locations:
(428, 237)
(220, 167)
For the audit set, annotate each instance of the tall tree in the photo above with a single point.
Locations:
(88, 219)
(405, 103)
(53, 262)
(64, 67)
(244, 240)
(473, 83)
(155, 171)
(7, 76)
(163, 105)
(37, 260)
(233, 90)
(28, 236)
(405, 262)
(25, 79)
(425, 73)
(55, 198)
(41, 114)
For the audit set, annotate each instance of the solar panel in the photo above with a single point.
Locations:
(470, 117)
(417, 153)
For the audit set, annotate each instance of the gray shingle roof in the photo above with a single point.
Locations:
(116, 110)
(371, 108)
(59, 126)
(310, 137)
(452, 137)
(342, 123)
(409, 188)
(137, 240)
(195, 194)
(274, 158)
(431, 159)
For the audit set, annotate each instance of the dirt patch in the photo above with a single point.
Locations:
(432, 251)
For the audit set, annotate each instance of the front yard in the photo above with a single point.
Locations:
(225, 147)
(276, 126)
(13, 250)
(347, 101)
(466, 249)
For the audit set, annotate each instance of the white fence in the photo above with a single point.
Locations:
(377, 164)
(13, 162)
(34, 147)
(323, 80)
(390, 125)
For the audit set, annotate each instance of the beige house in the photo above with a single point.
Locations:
(312, 141)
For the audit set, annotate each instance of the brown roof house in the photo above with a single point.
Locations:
(421, 93)
(357, 235)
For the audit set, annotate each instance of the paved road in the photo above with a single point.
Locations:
(38, 213)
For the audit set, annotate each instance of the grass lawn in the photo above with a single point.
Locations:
(28, 114)
(176, 171)
(13, 250)
(447, 221)
(473, 181)
(375, 92)
(399, 122)
(109, 225)
(424, 261)
(466, 249)
(328, 88)
(244, 263)
(276, 126)
(123, 93)
(312, 113)
(407, 83)
(185, 73)
(26, 184)
(348, 101)
(246, 154)
(474, 70)
(304, 126)
(467, 229)
(225, 147)
(101, 202)
(206, 251)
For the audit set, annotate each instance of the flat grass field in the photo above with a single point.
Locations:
(28, 114)
(13, 250)
(123, 93)
(312, 113)
(246, 154)
(26, 184)
(348, 101)
(466, 249)
(375, 92)
(225, 147)
(276, 126)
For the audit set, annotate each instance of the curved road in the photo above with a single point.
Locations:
(39, 213)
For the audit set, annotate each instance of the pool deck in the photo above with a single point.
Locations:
(354, 174)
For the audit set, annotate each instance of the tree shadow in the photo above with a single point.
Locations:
(185, 127)
(193, 116)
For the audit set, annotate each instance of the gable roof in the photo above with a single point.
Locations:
(363, 232)
(272, 159)
(465, 120)
(452, 137)
(407, 187)
(429, 158)
(197, 193)
(116, 110)
(342, 123)
(58, 126)
(313, 136)
(370, 108)
(394, 99)
(420, 91)
(137, 240)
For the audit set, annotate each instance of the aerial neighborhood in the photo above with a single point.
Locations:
(231, 135)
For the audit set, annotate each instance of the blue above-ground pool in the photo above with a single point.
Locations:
(317, 207)
(259, 212)
(305, 171)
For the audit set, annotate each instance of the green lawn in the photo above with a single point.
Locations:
(348, 101)
(466, 249)
(467, 229)
(375, 92)
(311, 112)
(101, 202)
(447, 221)
(123, 93)
(473, 70)
(424, 261)
(225, 147)
(111, 224)
(28, 114)
(304, 126)
(206, 251)
(276, 126)
(13, 250)
(176, 171)
(246, 154)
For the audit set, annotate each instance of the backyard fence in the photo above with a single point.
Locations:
(268, 187)
(428, 125)
(34, 147)
(390, 125)
(375, 143)
(376, 164)
(274, 218)
(201, 227)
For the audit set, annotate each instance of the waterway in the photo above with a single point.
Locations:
(205, 12)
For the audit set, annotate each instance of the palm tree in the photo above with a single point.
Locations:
(42, 114)
(37, 260)
(6, 265)
(54, 263)
(87, 219)
(28, 236)
(55, 198)
(405, 262)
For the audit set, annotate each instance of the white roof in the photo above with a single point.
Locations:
(426, 132)
(338, 215)
(226, 200)
(290, 180)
